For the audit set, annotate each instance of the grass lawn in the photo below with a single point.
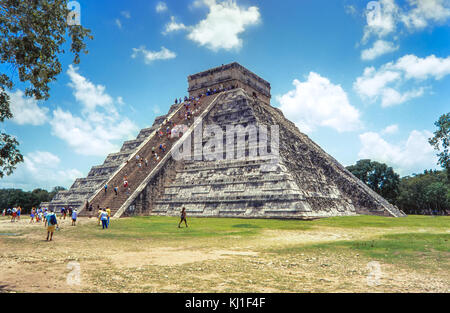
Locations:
(150, 254)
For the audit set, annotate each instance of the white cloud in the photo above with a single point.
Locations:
(381, 19)
(161, 7)
(40, 169)
(94, 134)
(41, 159)
(391, 97)
(425, 12)
(100, 125)
(373, 82)
(150, 56)
(379, 48)
(84, 91)
(423, 68)
(383, 84)
(173, 26)
(351, 10)
(407, 157)
(126, 14)
(223, 25)
(25, 110)
(317, 102)
(385, 18)
(385, 15)
(391, 129)
(118, 23)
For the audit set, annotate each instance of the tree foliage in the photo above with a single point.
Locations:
(425, 193)
(32, 37)
(441, 141)
(378, 176)
(15, 197)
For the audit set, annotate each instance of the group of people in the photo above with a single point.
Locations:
(37, 215)
(170, 130)
(15, 213)
(104, 215)
(48, 217)
(210, 91)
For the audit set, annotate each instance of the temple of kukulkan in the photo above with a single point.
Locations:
(227, 153)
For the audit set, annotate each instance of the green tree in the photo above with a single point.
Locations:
(53, 193)
(423, 193)
(441, 141)
(26, 199)
(32, 37)
(378, 176)
(436, 195)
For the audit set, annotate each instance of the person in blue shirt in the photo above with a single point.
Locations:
(74, 217)
(52, 223)
(104, 218)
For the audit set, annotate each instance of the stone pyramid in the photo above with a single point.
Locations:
(238, 157)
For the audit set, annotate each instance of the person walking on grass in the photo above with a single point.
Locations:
(108, 210)
(45, 214)
(19, 211)
(99, 214)
(74, 217)
(104, 219)
(14, 215)
(52, 223)
(183, 217)
(38, 215)
(32, 213)
(63, 212)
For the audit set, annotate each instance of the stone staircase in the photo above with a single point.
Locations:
(136, 175)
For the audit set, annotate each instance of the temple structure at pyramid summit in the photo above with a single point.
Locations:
(229, 153)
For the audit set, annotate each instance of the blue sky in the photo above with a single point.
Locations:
(363, 80)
